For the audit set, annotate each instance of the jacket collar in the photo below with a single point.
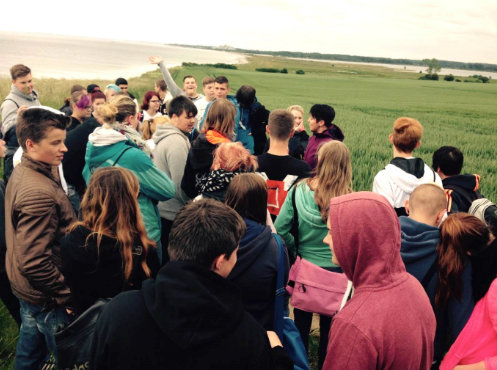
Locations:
(46, 169)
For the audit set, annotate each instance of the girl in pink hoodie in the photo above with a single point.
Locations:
(476, 346)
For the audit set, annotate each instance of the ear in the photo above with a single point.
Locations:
(30, 146)
(440, 216)
(406, 205)
(418, 145)
(321, 123)
(267, 130)
(218, 263)
(390, 138)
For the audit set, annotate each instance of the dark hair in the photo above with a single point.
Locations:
(91, 88)
(161, 84)
(34, 124)
(189, 76)
(247, 194)
(280, 124)
(146, 99)
(121, 81)
(97, 95)
(204, 230)
(19, 70)
(181, 104)
(221, 80)
(245, 95)
(323, 112)
(459, 234)
(449, 160)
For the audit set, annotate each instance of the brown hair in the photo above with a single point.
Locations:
(460, 233)
(204, 230)
(406, 134)
(280, 124)
(208, 80)
(221, 117)
(149, 126)
(19, 70)
(333, 175)
(34, 124)
(110, 208)
(232, 157)
(247, 195)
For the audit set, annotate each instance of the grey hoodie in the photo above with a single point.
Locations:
(12, 103)
(170, 154)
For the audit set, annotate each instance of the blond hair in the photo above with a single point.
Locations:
(106, 113)
(232, 157)
(149, 126)
(333, 175)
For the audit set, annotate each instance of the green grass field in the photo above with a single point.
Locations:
(367, 100)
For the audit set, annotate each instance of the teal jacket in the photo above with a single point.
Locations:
(312, 229)
(154, 184)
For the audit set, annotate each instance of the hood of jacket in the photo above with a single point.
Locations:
(409, 173)
(166, 130)
(334, 132)
(255, 241)
(192, 305)
(306, 205)
(33, 96)
(366, 239)
(467, 182)
(201, 152)
(104, 145)
(418, 246)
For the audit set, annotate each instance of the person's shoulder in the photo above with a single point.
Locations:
(124, 313)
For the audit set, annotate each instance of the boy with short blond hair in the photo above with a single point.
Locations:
(404, 173)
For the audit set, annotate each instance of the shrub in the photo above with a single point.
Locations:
(284, 70)
(449, 78)
(268, 70)
(432, 76)
(299, 72)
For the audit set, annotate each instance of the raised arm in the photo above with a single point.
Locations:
(171, 85)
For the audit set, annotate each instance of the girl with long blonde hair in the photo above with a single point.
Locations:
(108, 250)
(311, 197)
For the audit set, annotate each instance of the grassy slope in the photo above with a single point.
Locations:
(367, 100)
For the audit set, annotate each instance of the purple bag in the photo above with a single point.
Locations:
(314, 289)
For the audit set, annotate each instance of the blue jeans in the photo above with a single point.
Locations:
(36, 336)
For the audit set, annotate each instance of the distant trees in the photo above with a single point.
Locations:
(432, 64)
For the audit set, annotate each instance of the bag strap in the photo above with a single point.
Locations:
(295, 223)
(280, 288)
(120, 155)
(12, 100)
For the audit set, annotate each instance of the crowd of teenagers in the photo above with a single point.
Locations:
(185, 214)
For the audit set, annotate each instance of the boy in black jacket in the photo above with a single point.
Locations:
(190, 317)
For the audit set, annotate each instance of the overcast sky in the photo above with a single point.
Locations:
(458, 30)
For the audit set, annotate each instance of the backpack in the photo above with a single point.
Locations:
(277, 191)
(464, 194)
(486, 211)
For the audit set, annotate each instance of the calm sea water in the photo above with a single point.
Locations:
(84, 58)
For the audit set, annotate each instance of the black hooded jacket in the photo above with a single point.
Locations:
(188, 318)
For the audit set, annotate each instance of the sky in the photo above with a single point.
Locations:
(458, 30)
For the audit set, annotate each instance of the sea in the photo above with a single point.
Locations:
(55, 56)
(71, 57)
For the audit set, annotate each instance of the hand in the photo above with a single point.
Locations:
(155, 60)
(274, 341)
(22, 108)
(477, 366)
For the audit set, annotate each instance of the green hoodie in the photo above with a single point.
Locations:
(154, 184)
(312, 229)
